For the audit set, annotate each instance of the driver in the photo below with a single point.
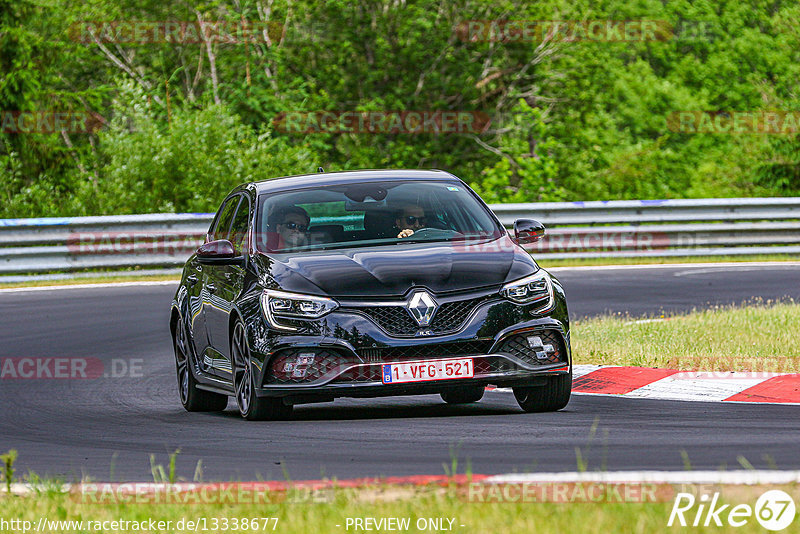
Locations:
(291, 224)
(411, 219)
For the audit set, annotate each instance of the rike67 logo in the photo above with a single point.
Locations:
(774, 510)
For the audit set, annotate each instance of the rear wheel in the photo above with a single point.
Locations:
(463, 395)
(548, 398)
(192, 398)
(252, 407)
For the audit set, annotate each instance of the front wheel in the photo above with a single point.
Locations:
(192, 398)
(548, 398)
(251, 406)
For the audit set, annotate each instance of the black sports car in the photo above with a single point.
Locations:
(365, 284)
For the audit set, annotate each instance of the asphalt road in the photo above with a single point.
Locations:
(652, 289)
(108, 427)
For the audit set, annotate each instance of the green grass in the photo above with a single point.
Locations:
(310, 515)
(757, 336)
(665, 260)
(94, 280)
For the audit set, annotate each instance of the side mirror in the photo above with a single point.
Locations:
(527, 231)
(219, 252)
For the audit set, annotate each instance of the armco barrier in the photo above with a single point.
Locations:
(628, 228)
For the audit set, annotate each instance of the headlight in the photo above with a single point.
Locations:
(536, 288)
(277, 304)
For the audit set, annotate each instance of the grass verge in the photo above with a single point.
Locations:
(94, 280)
(758, 336)
(667, 260)
(452, 507)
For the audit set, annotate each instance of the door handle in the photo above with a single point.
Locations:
(211, 287)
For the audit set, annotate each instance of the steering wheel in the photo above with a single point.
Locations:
(429, 232)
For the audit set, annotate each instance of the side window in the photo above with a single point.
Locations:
(214, 222)
(224, 219)
(240, 225)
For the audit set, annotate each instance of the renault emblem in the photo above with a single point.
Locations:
(422, 307)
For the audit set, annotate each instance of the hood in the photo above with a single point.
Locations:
(391, 270)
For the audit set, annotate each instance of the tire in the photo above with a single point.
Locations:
(192, 398)
(251, 406)
(463, 395)
(548, 398)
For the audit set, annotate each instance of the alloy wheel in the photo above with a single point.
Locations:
(243, 383)
(182, 361)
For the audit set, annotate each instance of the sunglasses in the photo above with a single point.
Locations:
(295, 226)
(411, 219)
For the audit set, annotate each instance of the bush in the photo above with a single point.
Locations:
(187, 163)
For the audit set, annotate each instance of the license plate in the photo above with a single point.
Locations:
(397, 373)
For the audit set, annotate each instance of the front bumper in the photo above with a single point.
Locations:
(507, 363)
(356, 347)
(510, 373)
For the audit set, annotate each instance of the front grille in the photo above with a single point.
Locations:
(366, 373)
(519, 346)
(427, 351)
(492, 365)
(396, 320)
(451, 315)
(295, 366)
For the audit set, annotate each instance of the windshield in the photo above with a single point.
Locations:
(371, 213)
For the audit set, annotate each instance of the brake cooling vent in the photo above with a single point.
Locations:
(543, 347)
(295, 366)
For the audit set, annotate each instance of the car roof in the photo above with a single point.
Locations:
(337, 178)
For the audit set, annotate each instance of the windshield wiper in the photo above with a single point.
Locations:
(363, 244)
(407, 240)
(353, 244)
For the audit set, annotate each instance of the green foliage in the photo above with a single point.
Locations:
(530, 171)
(165, 476)
(185, 164)
(585, 120)
(8, 460)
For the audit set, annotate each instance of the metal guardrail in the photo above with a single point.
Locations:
(628, 228)
(637, 212)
